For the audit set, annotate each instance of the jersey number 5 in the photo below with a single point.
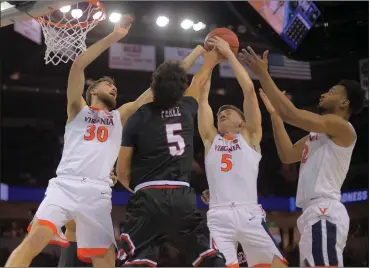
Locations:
(178, 149)
(226, 164)
(101, 133)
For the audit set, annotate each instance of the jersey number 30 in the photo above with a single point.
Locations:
(179, 147)
(101, 134)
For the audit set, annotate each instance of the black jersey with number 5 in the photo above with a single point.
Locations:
(162, 142)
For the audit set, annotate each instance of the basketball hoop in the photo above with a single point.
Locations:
(65, 30)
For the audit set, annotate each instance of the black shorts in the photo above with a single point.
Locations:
(156, 215)
(68, 257)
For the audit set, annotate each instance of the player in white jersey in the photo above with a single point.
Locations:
(81, 191)
(232, 160)
(325, 156)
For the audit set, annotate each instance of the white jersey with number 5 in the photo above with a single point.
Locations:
(324, 166)
(91, 144)
(232, 171)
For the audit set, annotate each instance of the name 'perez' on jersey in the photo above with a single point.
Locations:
(162, 142)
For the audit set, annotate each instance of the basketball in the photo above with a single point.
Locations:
(226, 34)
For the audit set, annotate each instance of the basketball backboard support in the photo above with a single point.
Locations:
(30, 9)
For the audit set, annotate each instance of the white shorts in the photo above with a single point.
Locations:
(324, 228)
(89, 204)
(245, 224)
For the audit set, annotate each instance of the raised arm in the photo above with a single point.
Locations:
(128, 109)
(206, 126)
(251, 108)
(288, 153)
(200, 79)
(189, 61)
(76, 79)
(330, 124)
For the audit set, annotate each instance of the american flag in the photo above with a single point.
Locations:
(282, 67)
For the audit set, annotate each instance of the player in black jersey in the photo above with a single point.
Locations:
(155, 162)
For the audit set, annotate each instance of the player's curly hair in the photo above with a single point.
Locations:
(94, 84)
(169, 83)
(355, 94)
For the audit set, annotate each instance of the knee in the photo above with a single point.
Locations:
(36, 240)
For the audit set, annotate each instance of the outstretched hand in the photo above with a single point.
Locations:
(123, 26)
(254, 62)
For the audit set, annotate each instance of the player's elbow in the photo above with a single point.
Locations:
(286, 160)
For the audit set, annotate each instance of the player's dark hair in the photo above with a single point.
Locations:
(169, 83)
(355, 95)
(232, 107)
(94, 84)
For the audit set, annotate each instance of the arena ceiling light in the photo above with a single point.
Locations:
(186, 24)
(199, 26)
(162, 21)
(76, 13)
(65, 9)
(115, 17)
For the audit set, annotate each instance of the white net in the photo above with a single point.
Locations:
(65, 30)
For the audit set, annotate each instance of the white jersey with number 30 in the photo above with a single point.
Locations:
(232, 171)
(324, 166)
(91, 144)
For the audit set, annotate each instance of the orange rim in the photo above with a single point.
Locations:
(98, 4)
